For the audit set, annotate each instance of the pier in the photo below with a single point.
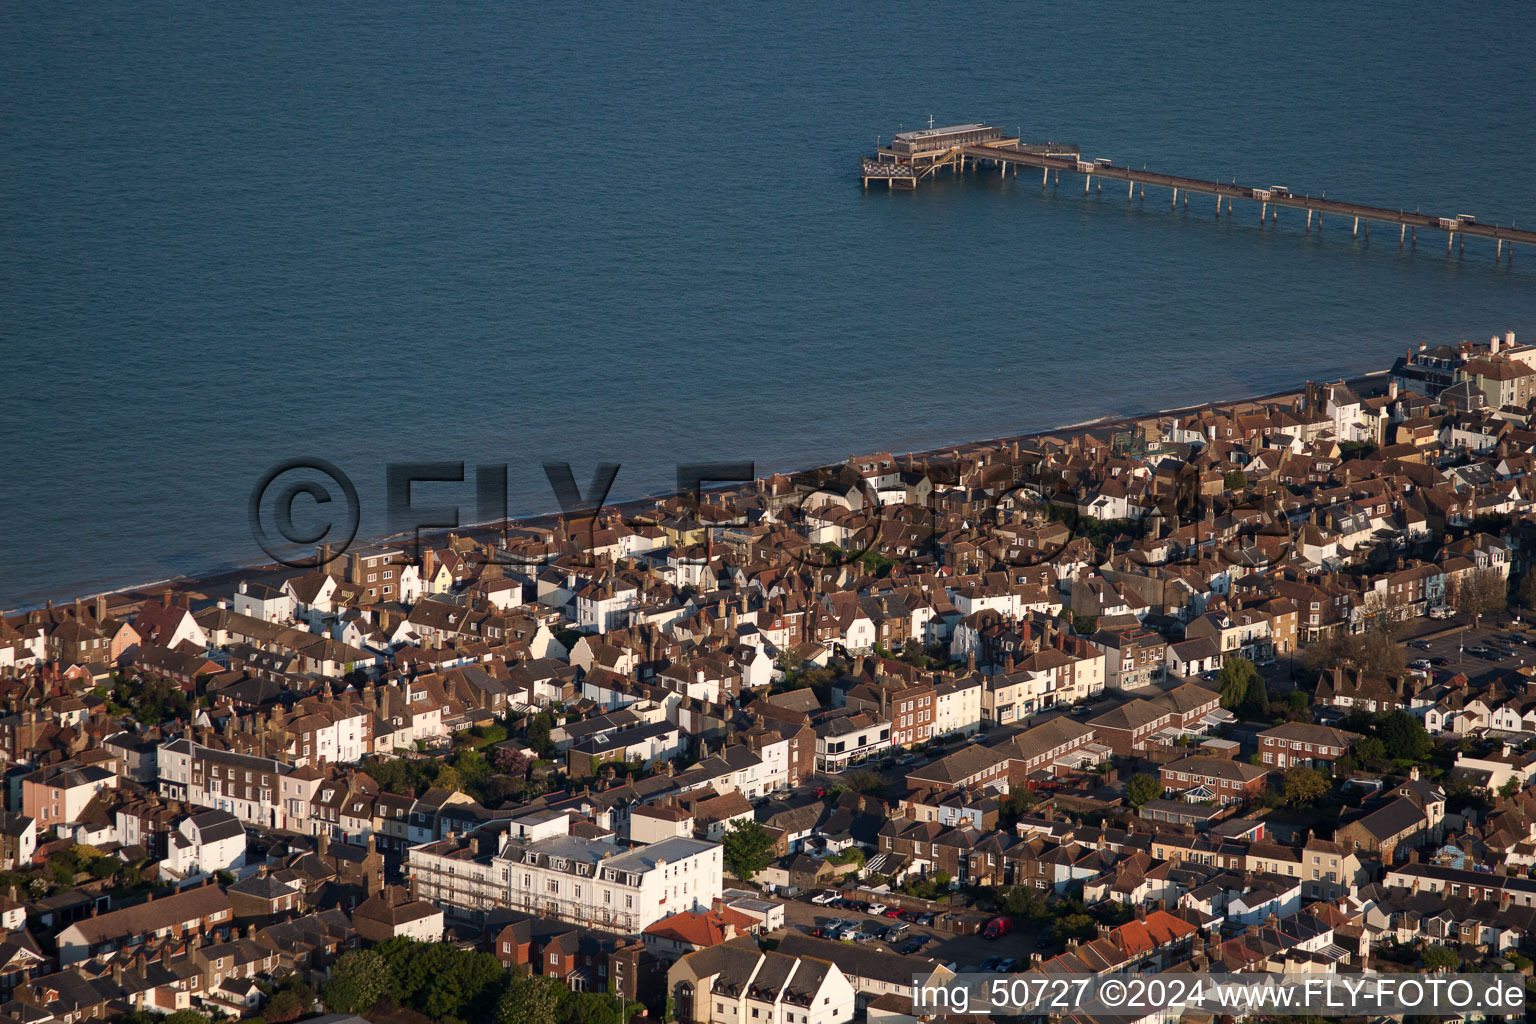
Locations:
(913, 157)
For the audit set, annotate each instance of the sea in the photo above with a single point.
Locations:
(509, 233)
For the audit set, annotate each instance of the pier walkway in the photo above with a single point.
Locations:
(905, 164)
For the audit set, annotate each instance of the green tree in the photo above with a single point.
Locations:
(530, 1000)
(537, 733)
(1304, 786)
(1404, 737)
(448, 778)
(746, 848)
(867, 782)
(1370, 749)
(1511, 787)
(1258, 695)
(290, 1000)
(1237, 680)
(1235, 480)
(359, 980)
(1441, 958)
(1142, 787)
(1074, 926)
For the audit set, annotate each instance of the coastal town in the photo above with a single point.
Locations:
(1244, 688)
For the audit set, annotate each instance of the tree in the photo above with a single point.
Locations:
(1369, 750)
(1441, 958)
(1074, 926)
(448, 778)
(537, 733)
(746, 848)
(359, 980)
(1142, 787)
(1304, 786)
(1237, 679)
(288, 1001)
(1480, 592)
(1511, 787)
(530, 1000)
(1404, 737)
(1258, 695)
(867, 782)
(1525, 590)
(1235, 480)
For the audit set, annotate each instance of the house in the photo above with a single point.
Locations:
(1213, 778)
(204, 843)
(1385, 830)
(735, 983)
(676, 936)
(18, 840)
(391, 912)
(57, 794)
(1302, 743)
(203, 910)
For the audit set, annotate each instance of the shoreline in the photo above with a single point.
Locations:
(220, 579)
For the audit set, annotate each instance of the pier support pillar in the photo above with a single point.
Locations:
(1175, 197)
(1357, 228)
(1461, 244)
(1045, 176)
(1087, 184)
(1309, 222)
(1500, 254)
(1402, 236)
(1263, 212)
(1448, 240)
(1130, 193)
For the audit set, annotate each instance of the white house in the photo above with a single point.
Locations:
(206, 842)
(586, 882)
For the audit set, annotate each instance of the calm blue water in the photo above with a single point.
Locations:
(513, 232)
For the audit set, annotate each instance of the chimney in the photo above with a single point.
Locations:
(323, 843)
(1509, 339)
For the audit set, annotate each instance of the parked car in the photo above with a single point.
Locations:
(1422, 645)
(913, 944)
(1439, 662)
(927, 920)
(825, 897)
(1044, 941)
(997, 928)
(1008, 965)
(897, 931)
(990, 964)
(1421, 663)
(830, 929)
(893, 912)
(875, 908)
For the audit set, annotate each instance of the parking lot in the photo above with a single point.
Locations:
(1457, 652)
(963, 950)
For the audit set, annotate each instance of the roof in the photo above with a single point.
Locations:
(187, 905)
